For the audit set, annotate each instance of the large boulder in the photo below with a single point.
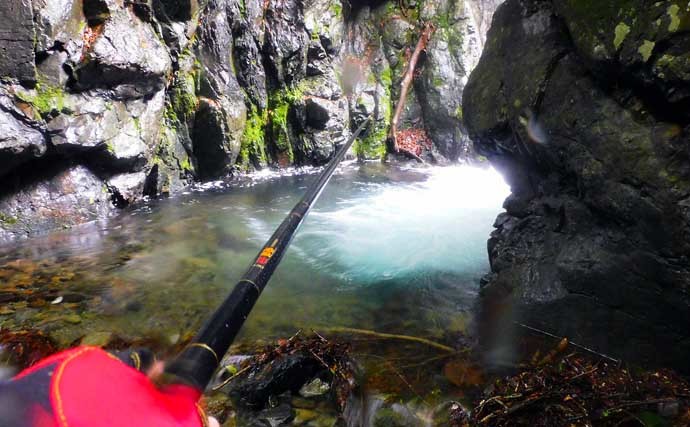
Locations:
(55, 197)
(326, 125)
(119, 136)
(594, 243)
(126, 57)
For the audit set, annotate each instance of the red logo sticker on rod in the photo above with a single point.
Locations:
(265, 255)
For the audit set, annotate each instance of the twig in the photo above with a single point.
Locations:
(425, 362)
(224, 383)
(639, 403)
(292, 338)
(341, 329)
(402, 378)
(489, 400)
(412, 155)
(587, 349)
(323, 362)
(319, 335)
(581, 374)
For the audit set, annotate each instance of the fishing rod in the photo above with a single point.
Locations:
(197, 362)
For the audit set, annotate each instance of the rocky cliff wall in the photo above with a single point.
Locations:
(103, 102)
(584, 107)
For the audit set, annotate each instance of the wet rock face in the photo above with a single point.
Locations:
(58, 199)
(127, 57)
(452, 54)
(594, 241)
(21, 138)
(16, 41)
(384, 37)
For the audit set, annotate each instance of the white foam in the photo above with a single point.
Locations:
(440, 224)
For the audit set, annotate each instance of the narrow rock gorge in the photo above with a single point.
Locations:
(105, 102)
(501, 236)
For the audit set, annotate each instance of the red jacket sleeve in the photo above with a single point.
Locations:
(88, 387)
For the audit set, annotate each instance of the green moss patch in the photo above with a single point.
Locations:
(621, 32)
(7, 220)
(280, 103)
(373, 145)
(253, 142)
(183, 99)
(46, 99)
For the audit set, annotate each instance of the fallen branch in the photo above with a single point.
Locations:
(427, 32)
(345, 330)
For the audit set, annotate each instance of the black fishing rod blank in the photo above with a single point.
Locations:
(198, 361)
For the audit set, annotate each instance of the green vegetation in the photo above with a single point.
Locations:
(622, 30)
(48, 98)
(373, 145)
(280, 131)
(253, 142)
(458, 113)
(386, 77)
(673, 15)
(280, 103)
(445, 27)
(183, 98)
(186, 165)
(336, 8)
(646, 50)
(137, 123)
(7, 220)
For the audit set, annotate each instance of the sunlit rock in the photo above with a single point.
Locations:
(127, 57)
(21, 138)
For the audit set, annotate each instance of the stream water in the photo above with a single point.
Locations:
(387, 249)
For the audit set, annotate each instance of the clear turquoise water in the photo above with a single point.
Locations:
(387, 249)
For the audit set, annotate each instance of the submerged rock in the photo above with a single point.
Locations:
(316, 387)
(594, 243)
